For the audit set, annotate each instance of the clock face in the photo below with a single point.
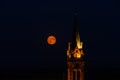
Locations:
(51, 40)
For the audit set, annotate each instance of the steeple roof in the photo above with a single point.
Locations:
(76, 36)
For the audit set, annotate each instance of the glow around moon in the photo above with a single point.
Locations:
(51, 40)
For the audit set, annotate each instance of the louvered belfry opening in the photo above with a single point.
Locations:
(78, 75)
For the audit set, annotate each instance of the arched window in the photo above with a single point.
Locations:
(74, 75)
(78, 75)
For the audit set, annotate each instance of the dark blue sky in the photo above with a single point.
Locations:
(25, 25)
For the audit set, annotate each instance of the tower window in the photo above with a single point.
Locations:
(74, 75)
(78, 75)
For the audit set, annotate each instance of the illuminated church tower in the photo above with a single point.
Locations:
(75, 56)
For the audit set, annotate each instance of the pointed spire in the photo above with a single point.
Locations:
(76, 36)
(75, 29)
(68, 45)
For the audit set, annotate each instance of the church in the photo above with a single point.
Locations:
(75, 55)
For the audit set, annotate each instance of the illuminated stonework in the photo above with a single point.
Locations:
(75, 58)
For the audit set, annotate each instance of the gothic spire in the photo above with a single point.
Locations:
(76, 36)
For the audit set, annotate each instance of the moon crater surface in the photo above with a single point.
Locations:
(51, 40)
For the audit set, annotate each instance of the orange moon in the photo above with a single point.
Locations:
(51, 40)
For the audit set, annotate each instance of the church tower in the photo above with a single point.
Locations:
(75, 56)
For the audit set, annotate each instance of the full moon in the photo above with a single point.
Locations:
(51, 40)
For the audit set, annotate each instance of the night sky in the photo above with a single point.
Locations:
(26, 24)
